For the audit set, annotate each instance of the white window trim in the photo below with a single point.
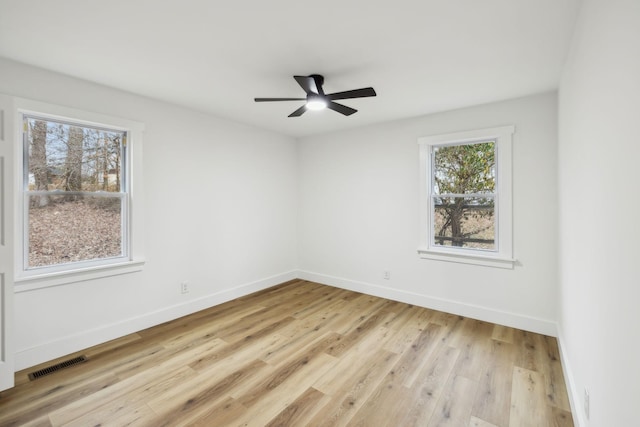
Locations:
(27, 280)
(503, 256)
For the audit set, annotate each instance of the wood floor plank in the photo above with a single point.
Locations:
(269, 405)
(551, 369)
(473, 331)
(321, 312)
(454, 406)
(503, 353)
(561, 418)
(330, 301)
(322, 298)
(50, 398)
(109, 402)
(478, 422)
(249, 324)
(528, 350)
(387, 404)
(344, 368)
(427, 389)
(255, 343)
(404, 334)
(301, 410)
(288, 368)
(493, 400)
(502, 333)
(135, 389)
(364, 305)
(472, 360)
(196, 399)
(528, 400)
(206, 329)
(297, 335)
(353, 393)
(453, 325)
(211, 377)
(117, 416)
(38, 422)
(220, 414)
(359, 333)
(303, 353)
(417, 355)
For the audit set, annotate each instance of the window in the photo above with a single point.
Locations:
(75, 193)
(466, 197)
(75, 210)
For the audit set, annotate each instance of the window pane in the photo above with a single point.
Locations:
(464, 169)
(73, 158)
(65, 228)
(464, 222)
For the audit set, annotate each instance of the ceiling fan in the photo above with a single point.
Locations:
(316, 99)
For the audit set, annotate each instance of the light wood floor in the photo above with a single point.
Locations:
(304, 354)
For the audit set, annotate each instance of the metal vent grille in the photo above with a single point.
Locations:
(58, 366)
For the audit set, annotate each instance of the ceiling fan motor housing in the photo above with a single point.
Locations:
(319, 81)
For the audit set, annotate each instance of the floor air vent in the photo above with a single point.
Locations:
(58, 366)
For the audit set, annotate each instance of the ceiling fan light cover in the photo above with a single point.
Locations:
(316, 104)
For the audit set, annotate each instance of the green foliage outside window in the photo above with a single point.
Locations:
(464, 183)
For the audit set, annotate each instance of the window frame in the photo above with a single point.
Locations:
(502, 256)
(132, 259)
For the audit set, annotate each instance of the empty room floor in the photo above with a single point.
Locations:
(304, 354)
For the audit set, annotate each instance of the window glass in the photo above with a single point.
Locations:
(463, 184)
(464, 222)
(74, 187)
(465, 168)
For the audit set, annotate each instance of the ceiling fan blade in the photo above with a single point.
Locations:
(342, 109)
(356, 93)
(278, 99)
(300, 111)
(308, 83)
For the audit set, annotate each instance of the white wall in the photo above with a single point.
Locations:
(599, 210)
(358, 213)
(220, 212)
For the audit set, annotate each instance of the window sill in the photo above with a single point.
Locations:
(30, 283)
(467, 258)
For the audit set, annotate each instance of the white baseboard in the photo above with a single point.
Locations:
(527, 323)
(575, 395)
(77, 342)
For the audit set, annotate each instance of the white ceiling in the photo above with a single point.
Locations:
(421, 56)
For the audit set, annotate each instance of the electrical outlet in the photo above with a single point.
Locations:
(586, 403)
(184, 287)
(386, 275)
